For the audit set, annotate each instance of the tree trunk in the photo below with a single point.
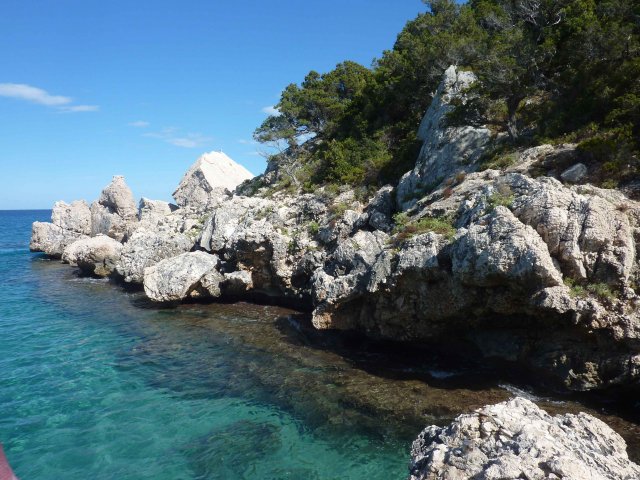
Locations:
(512, 120)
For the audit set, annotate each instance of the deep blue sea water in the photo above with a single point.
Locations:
(97, 385)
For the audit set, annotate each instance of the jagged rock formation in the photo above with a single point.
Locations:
(145, 248)
(446, 150)
(516, 439)
(94, 255)
(208, 179)
(114, 210)
(68, 224)
(183, 276)
(490, 259)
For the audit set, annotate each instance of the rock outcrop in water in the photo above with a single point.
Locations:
(516, 439)
(69, 222)
(515, 265)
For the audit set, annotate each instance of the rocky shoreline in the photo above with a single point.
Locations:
(525, 266)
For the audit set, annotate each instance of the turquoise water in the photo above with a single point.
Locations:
(97, 384)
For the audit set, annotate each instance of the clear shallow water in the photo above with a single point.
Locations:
(96, 383)
(93, 386)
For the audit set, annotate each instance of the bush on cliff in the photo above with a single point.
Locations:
(548, 70)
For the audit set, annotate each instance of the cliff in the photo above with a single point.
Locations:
(525, 265)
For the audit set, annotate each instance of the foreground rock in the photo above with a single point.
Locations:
(95, 255)
(516, 439)
(69, 222)
(208, 179)
(114, 210)
(191, 274)
(145, 248)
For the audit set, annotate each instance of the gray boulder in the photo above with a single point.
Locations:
(575, 173)
(516, 439)
(187, 275)
(502, 251)
(95, 255)
(146, 248)
(208, 180)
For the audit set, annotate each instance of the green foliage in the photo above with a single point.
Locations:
(313, 227)
(406, 228)
(337, 210)
(575, 290)
(600, 290)
(548, 70)
(502, 197)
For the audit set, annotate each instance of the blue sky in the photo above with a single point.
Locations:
(89, 89)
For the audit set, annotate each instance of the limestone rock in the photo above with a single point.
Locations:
(74, 217)
(118, 198)
(589, 236)
(446, 150)
(95, 255)
(237, 283)
(146, 248)
(575, 173)
(208, 179)
(503, 251)
(114, 210)
(69, 222)
(516, 439)
(150, 211)
(179, 277)
(51, 239)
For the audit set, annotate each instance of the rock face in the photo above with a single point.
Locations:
(69, 222)
(516, 439)
(208, 179)
(146, 248)
(151, 211)
(95, 255)
(488, 259)
(527, 254)
(115, 208)
(575, 173)
(75, 217)
(187, 275)
(446, 150)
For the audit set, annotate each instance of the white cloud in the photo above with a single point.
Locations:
(80, 108)
(139, 124)
(172, 136)
(32, 94)
(39, 96)
(271, 110)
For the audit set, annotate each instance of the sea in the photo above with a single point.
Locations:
(98, 383)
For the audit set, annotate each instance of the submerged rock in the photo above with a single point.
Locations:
(96, 255)
(208, 179)
(516, 439)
